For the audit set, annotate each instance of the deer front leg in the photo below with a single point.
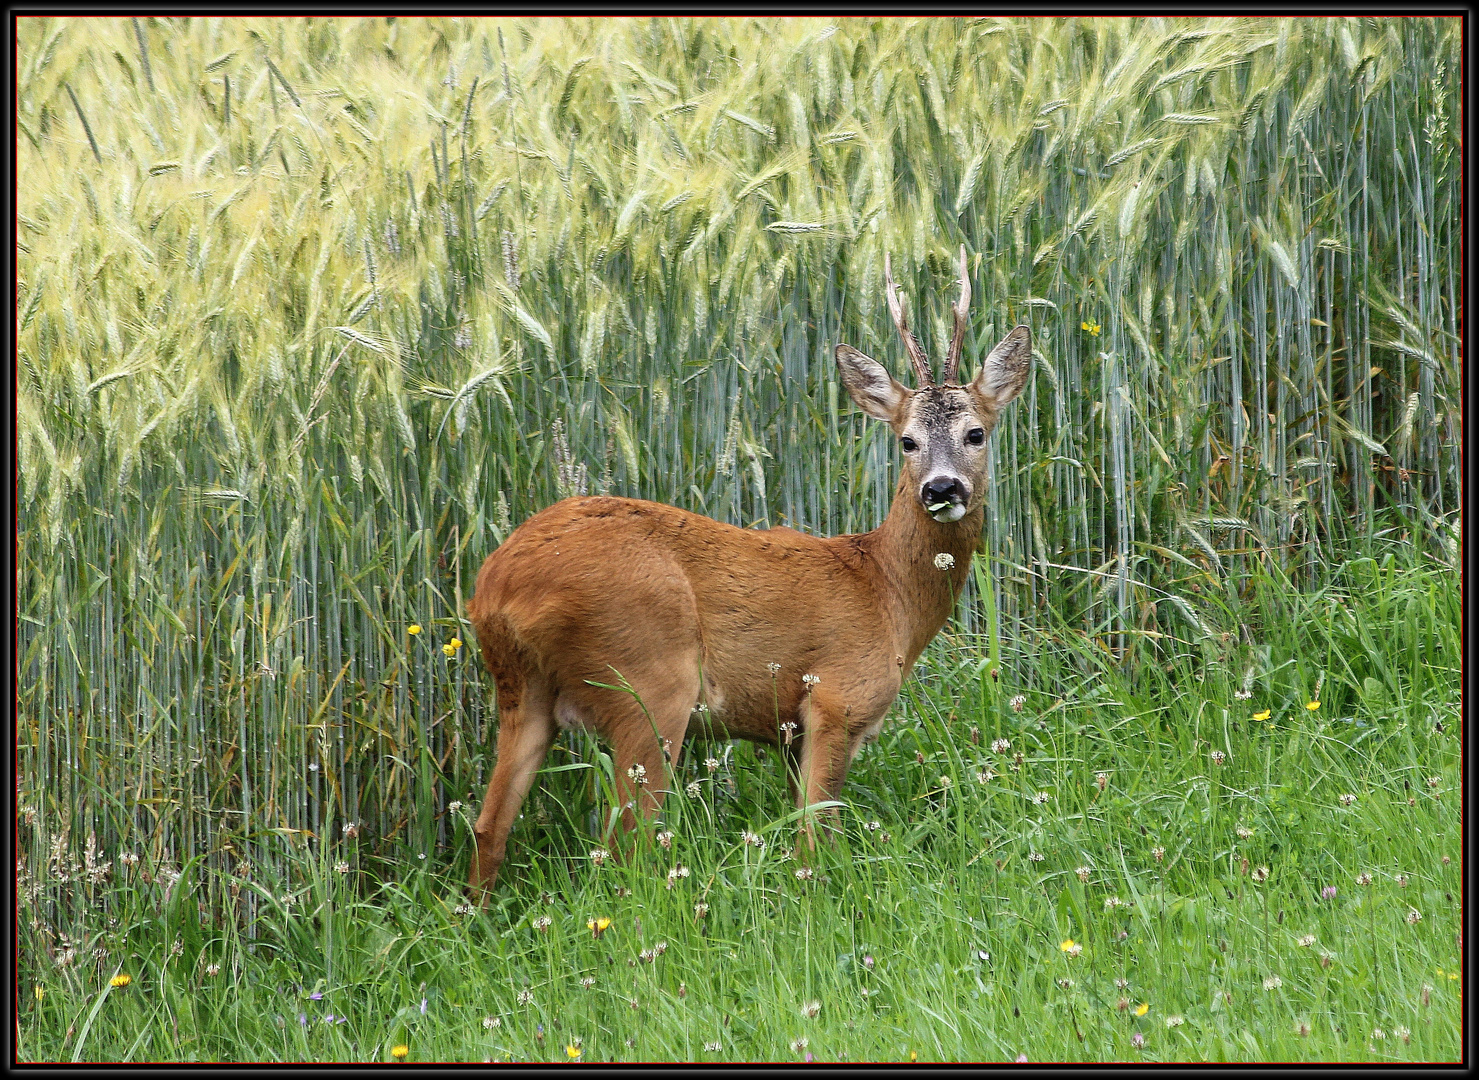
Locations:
(826, 752)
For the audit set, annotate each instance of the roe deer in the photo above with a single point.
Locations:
(796, 641)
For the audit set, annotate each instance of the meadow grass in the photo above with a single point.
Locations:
(982, 841)
(312, 312)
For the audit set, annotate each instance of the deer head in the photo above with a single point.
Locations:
(942, 427)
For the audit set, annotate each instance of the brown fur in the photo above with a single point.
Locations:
(689, 610)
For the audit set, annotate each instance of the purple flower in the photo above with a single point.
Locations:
(315, 996)
(423, 1006)
(303, 1019)
(1327, 893)
(808, 1055)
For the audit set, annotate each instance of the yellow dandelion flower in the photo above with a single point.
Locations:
(1142, 1008)
(1313, 705)
(456, 643)
(913, 1056)
(413, 629)
(1067, 945)
(598, 926)
(450, 650)
(1263, 715)
(121, 980)
(400, 1050)
(573, 1052)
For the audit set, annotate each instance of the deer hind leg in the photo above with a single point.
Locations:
(647, 737)
(790, 755)
(526, 730)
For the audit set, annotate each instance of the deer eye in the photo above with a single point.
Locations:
(908, 444)
(975, 436)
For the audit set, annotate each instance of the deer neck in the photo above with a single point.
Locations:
(919, 596)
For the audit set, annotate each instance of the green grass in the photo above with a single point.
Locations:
(311, 313)
(964, 926)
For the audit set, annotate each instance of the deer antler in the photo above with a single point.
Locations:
(962, 311)
(916, 354)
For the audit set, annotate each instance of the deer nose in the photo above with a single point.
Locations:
(942, 489)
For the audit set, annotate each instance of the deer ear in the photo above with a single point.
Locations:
(870, 385)
(1004, 372)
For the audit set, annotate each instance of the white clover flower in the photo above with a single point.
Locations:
(944, 561)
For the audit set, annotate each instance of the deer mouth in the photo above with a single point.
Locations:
(946, 512)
